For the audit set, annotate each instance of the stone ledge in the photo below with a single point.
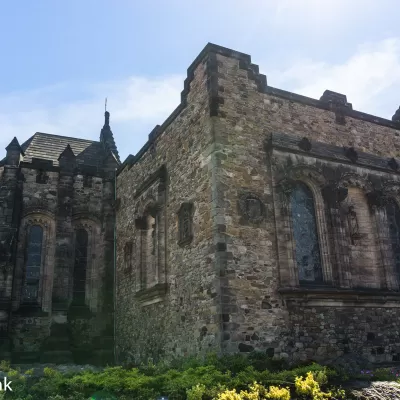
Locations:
(152, 295)
(186, 241)
(290, 143)
(330, 296)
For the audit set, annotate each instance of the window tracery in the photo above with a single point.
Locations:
(305, 234)
(33, 264)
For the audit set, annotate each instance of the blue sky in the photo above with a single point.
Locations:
(60, 59)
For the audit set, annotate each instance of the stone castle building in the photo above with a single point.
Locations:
(257, 219)
(252, 219)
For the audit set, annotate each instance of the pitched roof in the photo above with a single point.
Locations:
(49, 147)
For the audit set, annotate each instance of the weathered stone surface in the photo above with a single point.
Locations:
(184, 319)
(62, 185)
(220, 144)
(229, 275)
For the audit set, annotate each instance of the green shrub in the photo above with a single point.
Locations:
(191, 379)
(4, 365)
(196, 392)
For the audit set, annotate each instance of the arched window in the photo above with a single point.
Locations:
(308, 257)
(81, 250)
(393, 216)
(33, 264)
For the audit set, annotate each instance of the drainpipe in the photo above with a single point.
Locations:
(115, 268)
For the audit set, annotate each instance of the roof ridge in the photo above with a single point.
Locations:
(65, 137)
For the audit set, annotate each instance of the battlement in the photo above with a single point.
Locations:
(330, 101)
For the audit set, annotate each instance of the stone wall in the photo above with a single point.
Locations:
(255, 312)
(177, 315)
(10, 201)
(243, 292)
(63, 201)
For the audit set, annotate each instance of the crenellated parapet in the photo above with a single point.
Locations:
(330, 100)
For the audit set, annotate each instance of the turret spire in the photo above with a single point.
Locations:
(106, 135)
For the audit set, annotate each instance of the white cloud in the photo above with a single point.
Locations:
(136, 105)
(370, 78)
(311, 14)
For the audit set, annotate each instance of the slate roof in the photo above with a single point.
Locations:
(49, 147)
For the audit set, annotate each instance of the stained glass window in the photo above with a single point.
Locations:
(308, 257)
(393, 216)
(81, 250)
(33, 264)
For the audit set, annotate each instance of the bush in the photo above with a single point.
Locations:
(4, 366)
(196, 392)
(230, 377)
(256, 392)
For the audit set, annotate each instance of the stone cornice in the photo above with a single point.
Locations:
(152, 295)
(343, 155)
(331, 296)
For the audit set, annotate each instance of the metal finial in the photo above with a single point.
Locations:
(105, 105)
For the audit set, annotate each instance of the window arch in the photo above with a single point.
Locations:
(33, 264)
(393, 217)
(80, 266)
(305, 234)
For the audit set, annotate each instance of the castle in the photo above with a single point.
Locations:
(253, 219)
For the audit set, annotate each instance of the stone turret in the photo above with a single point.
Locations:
(107, 138)
(67, 158)
(14, 153)
(10, 207)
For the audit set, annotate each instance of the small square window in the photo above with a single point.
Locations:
(41, 177)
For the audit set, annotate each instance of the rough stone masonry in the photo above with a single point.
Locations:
(259, 219)
(253, 219)
(57, 248)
